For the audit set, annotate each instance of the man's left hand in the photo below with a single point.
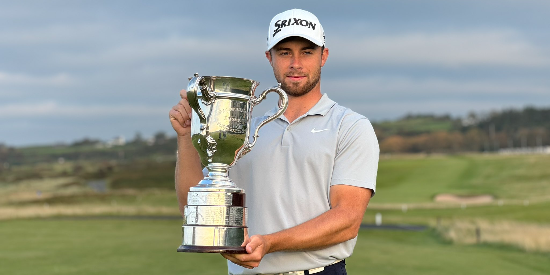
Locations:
(256, 248)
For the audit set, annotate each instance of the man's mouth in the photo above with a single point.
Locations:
(295, 77)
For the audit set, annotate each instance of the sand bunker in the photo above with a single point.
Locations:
(464, 198)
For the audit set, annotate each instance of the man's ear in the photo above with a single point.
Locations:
(268, 56)
(324, 56)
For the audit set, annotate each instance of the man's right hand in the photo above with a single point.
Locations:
(188, 165)
(180, 116)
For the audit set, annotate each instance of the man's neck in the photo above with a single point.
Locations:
(297, 106)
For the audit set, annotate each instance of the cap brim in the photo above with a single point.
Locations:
(279, 39)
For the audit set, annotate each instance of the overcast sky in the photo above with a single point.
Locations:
(99, 69)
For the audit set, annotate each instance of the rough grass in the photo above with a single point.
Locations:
(529, 237)
(144, 174)
(7, 213)
(68, 196)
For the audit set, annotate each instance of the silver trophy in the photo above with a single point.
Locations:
(215, 214)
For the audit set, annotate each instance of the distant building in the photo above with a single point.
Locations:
(525, 150)
(118, 141)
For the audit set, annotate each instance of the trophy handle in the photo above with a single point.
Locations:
(196, 88)
(283, 104)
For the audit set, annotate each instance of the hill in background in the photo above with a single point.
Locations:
(494, 131)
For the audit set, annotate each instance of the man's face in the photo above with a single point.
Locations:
(297, 65)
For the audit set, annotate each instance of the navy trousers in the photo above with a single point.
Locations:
(334, 269)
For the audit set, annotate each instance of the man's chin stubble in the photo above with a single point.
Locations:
(298, 92)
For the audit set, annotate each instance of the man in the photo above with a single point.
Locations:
(312, 171)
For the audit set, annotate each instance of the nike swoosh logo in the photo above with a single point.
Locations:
(317, 131)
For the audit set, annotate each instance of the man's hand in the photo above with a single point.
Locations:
(256, 248)
(188, 166)
(337, 225)
(180, 116)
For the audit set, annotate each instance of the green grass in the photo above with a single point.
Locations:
(133, 246)
(99, 247)
(419, 179)
(405, 252)
(532, 213)
(126, 246)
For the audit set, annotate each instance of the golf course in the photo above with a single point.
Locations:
(432, 214)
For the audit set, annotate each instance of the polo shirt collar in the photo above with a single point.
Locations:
(320, 108)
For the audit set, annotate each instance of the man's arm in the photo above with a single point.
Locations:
(339, 224)
(188, 166)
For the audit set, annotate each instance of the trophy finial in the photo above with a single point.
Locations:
(195, 75)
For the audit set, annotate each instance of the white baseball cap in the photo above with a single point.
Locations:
(295, 22)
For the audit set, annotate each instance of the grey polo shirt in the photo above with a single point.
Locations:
(288, 174)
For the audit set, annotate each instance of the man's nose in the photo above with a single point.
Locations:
(296, 62)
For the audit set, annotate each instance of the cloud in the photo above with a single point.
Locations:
(456, 108)
(60, 79)
(447, 49)
(389, 86)
(166, 50)
(384, 97)
(52, 109)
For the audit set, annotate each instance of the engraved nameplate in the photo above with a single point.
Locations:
(209, 198)
(215, 215)
(215, 198)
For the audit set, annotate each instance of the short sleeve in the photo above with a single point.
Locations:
(357, 155)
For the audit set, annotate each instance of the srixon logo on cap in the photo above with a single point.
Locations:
(291, 22)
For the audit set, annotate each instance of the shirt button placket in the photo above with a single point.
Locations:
(286, 136)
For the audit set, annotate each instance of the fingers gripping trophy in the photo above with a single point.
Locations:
(215, 214)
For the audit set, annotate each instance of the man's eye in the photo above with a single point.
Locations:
(308, 52)
(284, 53)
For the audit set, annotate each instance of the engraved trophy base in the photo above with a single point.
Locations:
(200, 239)
(215, 218)
(213, 239)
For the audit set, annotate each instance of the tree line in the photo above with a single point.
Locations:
(526, 128)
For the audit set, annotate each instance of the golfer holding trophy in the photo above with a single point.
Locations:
(308, 166)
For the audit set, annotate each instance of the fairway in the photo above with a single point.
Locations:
(417, 179)
(148, 246)
(99, 246)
